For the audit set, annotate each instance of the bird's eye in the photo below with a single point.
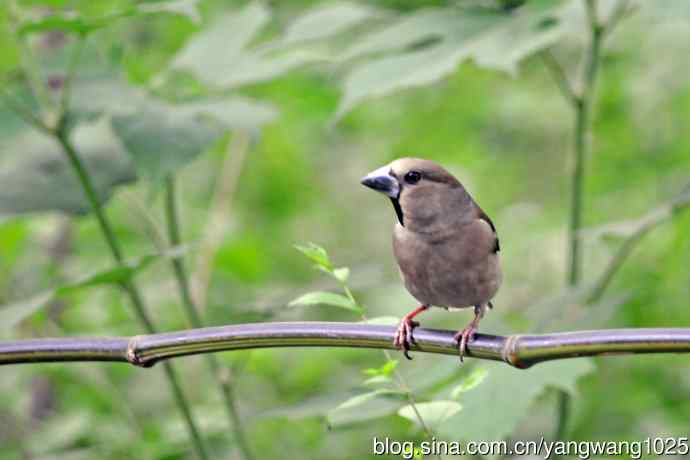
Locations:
(413, 177)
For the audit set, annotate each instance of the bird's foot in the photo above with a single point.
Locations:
(403, 336)
(463, 337)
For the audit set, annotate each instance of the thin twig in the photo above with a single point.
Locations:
(519, 351)
(25, 113)
(582, 127)
(559, 77)
(653, 220)
(70, 76)
(225, 382)
(32, 70)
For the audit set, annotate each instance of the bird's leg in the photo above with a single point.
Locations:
(466, 335)
(403, 336)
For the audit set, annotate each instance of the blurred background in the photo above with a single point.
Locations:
(266, 115)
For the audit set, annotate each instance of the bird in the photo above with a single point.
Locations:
(446, 247)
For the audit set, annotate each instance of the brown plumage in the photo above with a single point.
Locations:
(445, 245)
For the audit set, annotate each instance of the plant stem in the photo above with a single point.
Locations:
(582, 128)
(520, 351)
(651, 221)
(582, 105)
(129, 286)
(224, 382)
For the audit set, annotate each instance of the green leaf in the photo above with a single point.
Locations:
(68, 22)
(434, 413)
(510, 393)
(325, 21)
(342, 274)
(161, 141)
(409, 30)
(162, 138)
(383, 320)
(36, 176)
(233, 112)
(214, 51)
(387, 368)
(470, 382)
(188, 8)
(377, 380)
(372, 404)
(224, 55)
(446, 37)
(325, 298)
(317, 254)
(77, 24)
(12, 314)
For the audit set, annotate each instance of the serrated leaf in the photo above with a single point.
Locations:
(326, 21)
(434, 413)
(36, 175)
(317, 254)
(215, 50)
(493, 39)
(221, 55)
(470, 382)
(510, 393)
(325, 298)
(342, 274)
(408, 30)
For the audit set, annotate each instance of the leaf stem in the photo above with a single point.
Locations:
(225, 382)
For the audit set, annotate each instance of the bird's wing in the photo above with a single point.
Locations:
(482, 216)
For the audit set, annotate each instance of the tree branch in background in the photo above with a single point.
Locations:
(519, 351)
(559, 77)
(581, 100)
(224, 381)
(129, 286)
(652, 220)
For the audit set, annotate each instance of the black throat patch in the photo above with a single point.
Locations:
(398, 210)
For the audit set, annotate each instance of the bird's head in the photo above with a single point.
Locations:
(425, 196)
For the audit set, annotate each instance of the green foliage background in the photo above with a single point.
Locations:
(297, 168)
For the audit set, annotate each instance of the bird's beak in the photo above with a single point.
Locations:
(382, 181)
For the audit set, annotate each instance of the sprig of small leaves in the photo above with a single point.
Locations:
(323, 262)
(388, 383)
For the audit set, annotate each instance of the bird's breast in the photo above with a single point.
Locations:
(454, 270)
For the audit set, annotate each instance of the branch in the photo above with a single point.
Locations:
(652, 220)
(520, 351)
(560, 78)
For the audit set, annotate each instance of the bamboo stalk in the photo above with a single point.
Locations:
(519, 351)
